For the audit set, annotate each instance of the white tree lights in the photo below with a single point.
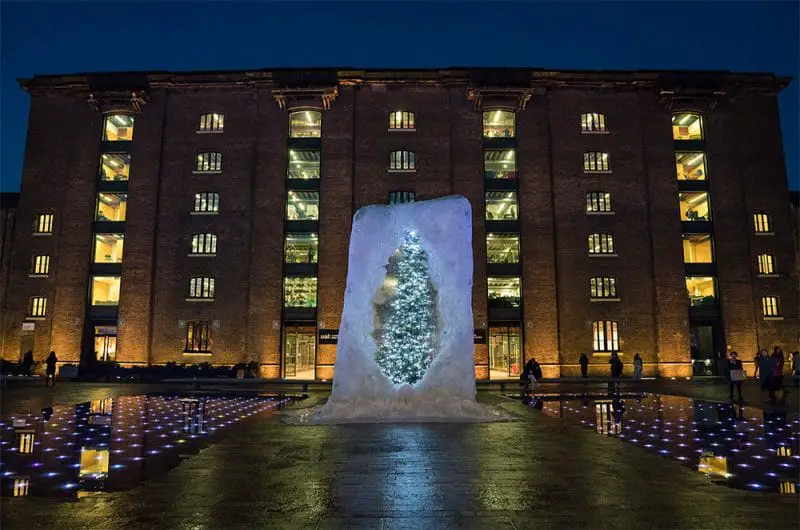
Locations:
(406, 339)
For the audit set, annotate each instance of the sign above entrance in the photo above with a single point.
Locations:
(328, 336)
(479, 336)
(28, 326)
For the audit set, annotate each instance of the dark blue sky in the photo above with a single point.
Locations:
(60, 37)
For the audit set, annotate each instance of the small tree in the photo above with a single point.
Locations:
(407, 336)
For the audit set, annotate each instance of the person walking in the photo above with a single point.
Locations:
(27, 363)
(584, 362)
(638, 366)
(756, 359)
(50, 371)
(796, 362)
(764, 367)
(777, 373)
(735, 372)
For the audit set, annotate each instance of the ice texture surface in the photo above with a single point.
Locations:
(447, 391)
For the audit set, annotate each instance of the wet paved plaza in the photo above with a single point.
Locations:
(564, 464)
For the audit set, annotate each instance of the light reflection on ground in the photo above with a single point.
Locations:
(740, 446)
(113, 444)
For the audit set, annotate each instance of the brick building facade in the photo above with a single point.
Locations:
(205, 217)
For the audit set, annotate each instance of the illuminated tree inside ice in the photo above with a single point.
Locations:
(407, 336)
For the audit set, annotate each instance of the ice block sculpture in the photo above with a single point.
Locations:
(433, 241)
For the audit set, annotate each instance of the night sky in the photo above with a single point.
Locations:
(60, 38)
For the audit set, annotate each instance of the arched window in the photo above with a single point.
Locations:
(206, 202)
(601, 243)
(499, 123)
(603, 287)
(598, 201)
(204, 244)
(212, 122)
(593, 122)
(605, 336)
(402, 161)
(208, 162)
(401, 119)
(40, 265)
(305, 124)
(687, 126)
(201, 287)
(595, 161)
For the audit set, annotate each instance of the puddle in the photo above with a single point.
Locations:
(739, 446)
(115, 444)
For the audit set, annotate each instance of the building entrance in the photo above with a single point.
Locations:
(707, 348)
(299, 351)
(105, 343)
(505, 351)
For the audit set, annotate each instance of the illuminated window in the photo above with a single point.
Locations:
(206, 202)
(401, 120)
(105, 344)
(21, 486)
(698, 248)
(687, 126)
(608, 421)
(500, 163)
(504, 291)
(118, 128)
(40, 265)
(603, 287)
(593, 122)
(598, 201)
(400, 197)
(37, 306)
(694, 206)
(402, 161)
(300, 291)
(301, 248)
(766, 264)
(690, 166)
(204, 244)
(201, 288)
(105, 290)
(605, 337)
(305, 124)
(115, 166)
(498, 124)
(94, 463)
(701, 291)
(601, 243)
(209, 162)
(111, 207)
(212, 122)
(101, 406)
(501, 206)
(787, 486)
(594, 161)
(108, 248)
(784, 451)
(505, 352)
(302, 206)
(502, 248)
(769, 306)
(26, 440)
(761, 223)
(303, 164)
(44, 223)
(198, 336)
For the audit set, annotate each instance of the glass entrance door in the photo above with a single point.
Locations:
(703, 351)
(505, 352)
(105, 343)
(299, 352)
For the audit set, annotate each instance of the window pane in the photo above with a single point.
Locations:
(198, 336)
(303, 206)
(504, 291)
(766, 264)
(761, 222)
(593, 122)
(105, 290)
(44, 223)
(115, 166)
(301, 248)
(38, 306)
(595, 161)
(690, 166)
(698, 248)
(769, 306)
(108, 248)
(598, 201)
(498, 124)
(212, 122)
(502, 248)
(401, 120)
(400, 197)
(111, 206)
(701, 291)
(300, 292)
(204, 244)
(501, 205)
(118, 128)
(500, 164)
(694, 206)
(305, 124)
(40, 265)
(303, 164)
(687, 126)
(206, 202)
